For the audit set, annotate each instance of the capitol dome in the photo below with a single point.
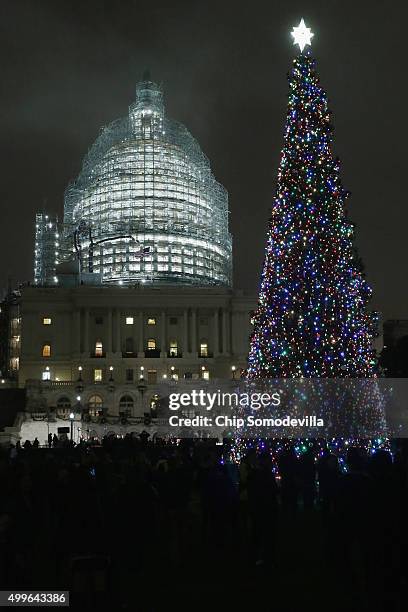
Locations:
(146, 207)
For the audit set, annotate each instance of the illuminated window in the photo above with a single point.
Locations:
(47, 321)
(151, 321)
(14, 341)
(173, 351)
(203, 349)
(46, 375)
(206, 375)
(98, 348)
(95, 405)
(97, 375)
(151, 344)
(46, 350)
(154, 400)
(15, 363)
(129, 320)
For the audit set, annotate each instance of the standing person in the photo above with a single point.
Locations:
(36, 443)
(12, 453)
(307, 478)
(355, 508)
(49, 440)
(328, 470)
(263, 508)
(288, 468)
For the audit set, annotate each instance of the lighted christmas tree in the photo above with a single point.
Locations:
(312, 318)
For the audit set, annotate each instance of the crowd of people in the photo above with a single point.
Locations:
(103, 519)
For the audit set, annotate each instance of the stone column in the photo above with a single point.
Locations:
(163, 345)
(109, 348)
(86, 332)
(216, 338)
(76, 331)
(241, 337)
(117, 334)
(194, 330)
(141, 339)
(235, 328)
(185, 333)
(225, 347)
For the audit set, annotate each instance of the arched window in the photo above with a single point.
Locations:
(46, 350)
(126, 403)
(129, 348)
(95, 405)
(64, 402)
(98, 348)
(203, 348)
(63, 405)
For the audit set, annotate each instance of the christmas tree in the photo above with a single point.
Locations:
(312, 318)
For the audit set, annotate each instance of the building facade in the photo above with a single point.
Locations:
(107, 356)
(105, 334)
(132, 291)
(10, 337)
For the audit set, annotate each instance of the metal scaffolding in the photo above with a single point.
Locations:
(146, 207)
(46, 251)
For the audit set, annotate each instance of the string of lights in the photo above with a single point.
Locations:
(312, 318)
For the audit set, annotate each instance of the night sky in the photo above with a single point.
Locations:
(68, 68)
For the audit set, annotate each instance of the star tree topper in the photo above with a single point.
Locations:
(302, 35)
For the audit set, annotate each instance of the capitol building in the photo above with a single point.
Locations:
(132, 290)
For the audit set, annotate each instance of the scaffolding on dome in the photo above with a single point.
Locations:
(146, 207)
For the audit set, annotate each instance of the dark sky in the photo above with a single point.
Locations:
(67, 68)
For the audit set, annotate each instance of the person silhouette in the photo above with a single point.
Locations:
(288, 468)
(262, 506)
